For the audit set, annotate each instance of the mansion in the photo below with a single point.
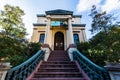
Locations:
(58, 28)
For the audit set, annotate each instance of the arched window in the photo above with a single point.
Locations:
(76, 38)
(41, 40)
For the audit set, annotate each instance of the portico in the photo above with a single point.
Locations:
(58, 28)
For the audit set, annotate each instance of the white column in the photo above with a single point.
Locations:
(68, 41)
(85, 39)
(47, 31)
(70, 31)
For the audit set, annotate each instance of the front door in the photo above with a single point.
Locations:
(59, 41)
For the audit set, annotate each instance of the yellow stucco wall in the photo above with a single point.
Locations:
(37, 30)
(36, 33)
(53, 32)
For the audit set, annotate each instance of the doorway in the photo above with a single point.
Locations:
(59, 41)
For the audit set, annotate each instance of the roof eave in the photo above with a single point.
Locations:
(78, 25)
(37, 24)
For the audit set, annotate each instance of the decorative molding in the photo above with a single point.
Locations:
(74, 16)
(48, 16)
(78, 25)
(73, 25)
(37, 24)
(41, 31)
(41, 15)
(35, 28)
(76, 31)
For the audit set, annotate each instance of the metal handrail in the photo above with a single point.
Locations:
(22, 71)
(94, 71)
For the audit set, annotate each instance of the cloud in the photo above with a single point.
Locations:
(108, 5)
(111, 5)
(85, 5)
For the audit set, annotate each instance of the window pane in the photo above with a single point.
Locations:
(41, 40)
(76, 39)
(59, 23)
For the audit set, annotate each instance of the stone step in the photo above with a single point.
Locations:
(58, 59)
(58, 70)
(58, 66)
(58, 62)
(58, 79)
(57, 74)
(42, 65)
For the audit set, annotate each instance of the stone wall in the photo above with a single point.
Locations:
(114, 70)
(4, 67)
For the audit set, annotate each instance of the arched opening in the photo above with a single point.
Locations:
(59, 41)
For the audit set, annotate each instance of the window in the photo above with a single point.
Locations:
(76, 39)
(58, 23)
(42, 36)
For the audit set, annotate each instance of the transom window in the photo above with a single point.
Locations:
(59, 23)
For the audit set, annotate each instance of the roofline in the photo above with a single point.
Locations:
(74, 16)
(49, 12)
(37, 24)
(41, 15)
(78, 25)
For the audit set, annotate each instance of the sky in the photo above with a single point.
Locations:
(79, 7)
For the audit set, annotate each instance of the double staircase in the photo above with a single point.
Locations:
(58, 67)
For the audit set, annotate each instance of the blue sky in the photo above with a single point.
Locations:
(81, 7)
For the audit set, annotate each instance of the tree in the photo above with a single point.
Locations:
(101, 20)
(103, 49)
(13, 32)
(13, 46)
(11, 22)
(114, 42)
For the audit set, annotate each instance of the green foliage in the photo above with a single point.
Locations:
(103, 47)
(83, 47)
(33, 48)
(17, 59)
(113, 50)
(13, 47)
(16, 52)
(11, 22)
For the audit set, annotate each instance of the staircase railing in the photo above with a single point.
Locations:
(94, 71)
(22, 71)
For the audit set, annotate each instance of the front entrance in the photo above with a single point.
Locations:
(59, 41)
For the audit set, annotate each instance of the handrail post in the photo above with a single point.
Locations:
(47, 49)
(114, 70)
(3, 69)
(70, 50)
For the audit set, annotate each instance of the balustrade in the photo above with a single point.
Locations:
(22, 71)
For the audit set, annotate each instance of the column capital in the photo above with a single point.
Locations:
(69, 17)
(48, 16)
